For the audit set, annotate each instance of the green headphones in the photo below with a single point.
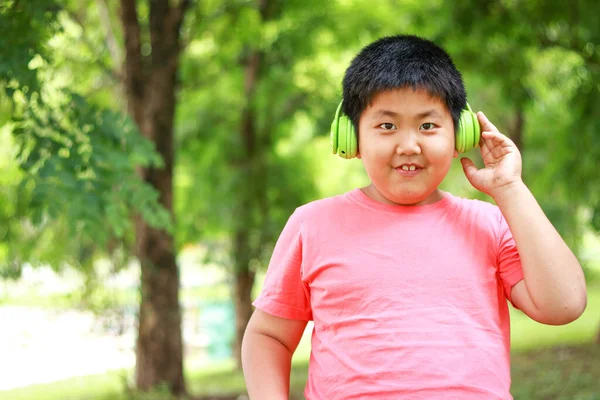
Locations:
(343, 140)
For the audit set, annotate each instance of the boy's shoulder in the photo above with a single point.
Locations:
(473, 203)
(324, 206)
(477, 203)
(478, 209)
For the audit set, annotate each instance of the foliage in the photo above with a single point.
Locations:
(212, 152)
(77, 160)
(79, 156)
(25, 28)
(545, 61)
(81, 162)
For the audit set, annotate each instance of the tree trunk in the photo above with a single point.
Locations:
(517, 127)
(244, 281)
(515, 130)
(244, 277)
(252, 199)
(150, 87)
(159, 347)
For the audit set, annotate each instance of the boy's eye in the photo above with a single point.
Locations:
(427, 126)
(387, 126)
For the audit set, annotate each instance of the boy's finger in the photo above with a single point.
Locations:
(485, 143)
(497, 138)
(485, 123)
(468, 167)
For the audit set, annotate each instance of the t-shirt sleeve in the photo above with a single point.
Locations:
(509, 261)
(284, 293)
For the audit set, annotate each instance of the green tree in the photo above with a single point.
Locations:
(150, 82)
(542, 54)
(90, 166)
(253, 188)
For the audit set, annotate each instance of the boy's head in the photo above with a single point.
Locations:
(397, 62)
(404, 97)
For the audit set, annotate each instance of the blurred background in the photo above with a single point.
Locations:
(151, 152)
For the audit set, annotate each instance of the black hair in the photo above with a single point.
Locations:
(395, 62)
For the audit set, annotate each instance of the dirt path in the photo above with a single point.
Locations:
(44, 345)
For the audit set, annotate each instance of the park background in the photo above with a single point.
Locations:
(151, 152)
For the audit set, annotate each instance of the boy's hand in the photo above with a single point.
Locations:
(502, 161)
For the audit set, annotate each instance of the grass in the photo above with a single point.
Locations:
(94, 387)
(557, 373)
(566, 372)
(560, 373)
(548, 362)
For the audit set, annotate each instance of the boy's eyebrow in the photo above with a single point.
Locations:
(385, 113)
(393, 114)
(429, 113)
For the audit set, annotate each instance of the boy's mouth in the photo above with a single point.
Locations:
(409, 169)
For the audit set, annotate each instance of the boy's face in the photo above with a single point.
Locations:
(406, 144)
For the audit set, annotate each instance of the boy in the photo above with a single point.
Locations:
(408, 285)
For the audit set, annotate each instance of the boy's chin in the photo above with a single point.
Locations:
(415, 199)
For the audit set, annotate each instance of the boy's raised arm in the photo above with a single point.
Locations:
(553, 290)
(267, 349)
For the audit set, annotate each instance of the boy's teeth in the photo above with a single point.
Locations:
(407, 168)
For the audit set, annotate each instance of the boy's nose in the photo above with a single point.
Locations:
(407, 144)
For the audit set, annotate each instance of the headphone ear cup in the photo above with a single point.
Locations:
(461, 133)
(334, 133)
(467, 137)
(352, 140)
(346, 138)
(342, 138)
(476, 130)
(333, 136)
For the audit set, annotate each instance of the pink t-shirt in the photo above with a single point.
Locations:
(407, 301)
